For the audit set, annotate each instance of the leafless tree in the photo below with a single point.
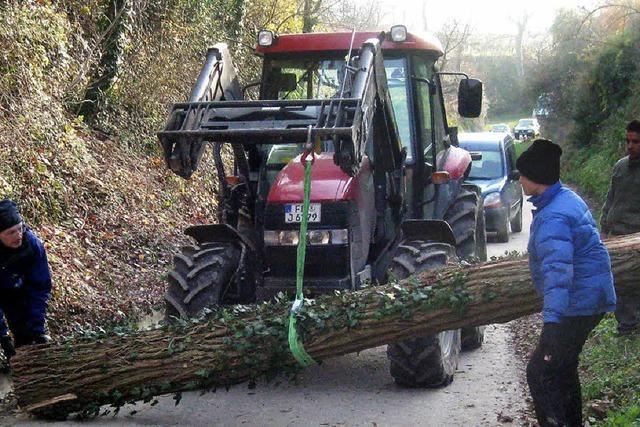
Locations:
(521, 28)
(454, 36)
(347, 15)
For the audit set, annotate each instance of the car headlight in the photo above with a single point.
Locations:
(492, 201)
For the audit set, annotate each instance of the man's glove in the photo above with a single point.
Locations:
(7, 347)
(550, 340)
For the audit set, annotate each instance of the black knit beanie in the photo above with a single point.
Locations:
(541, 162)
(9, 215)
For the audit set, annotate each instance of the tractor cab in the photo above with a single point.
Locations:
(314, 66)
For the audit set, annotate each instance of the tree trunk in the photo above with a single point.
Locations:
(104, 75)
(243, 342)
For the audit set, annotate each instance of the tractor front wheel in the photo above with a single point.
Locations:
(428, 361)
(200, 277)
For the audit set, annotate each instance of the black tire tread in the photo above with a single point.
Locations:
(419, 362)
(516, 224)
(199, 278)
(462, 216)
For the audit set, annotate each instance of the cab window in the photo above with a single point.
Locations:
(398, 89)
(423, 69)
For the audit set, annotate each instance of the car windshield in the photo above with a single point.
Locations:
(525, 123)
(489, 167)
(499, 128)
(319, 78)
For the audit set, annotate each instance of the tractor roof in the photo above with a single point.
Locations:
(324, 42)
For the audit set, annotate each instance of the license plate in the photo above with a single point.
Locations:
(293, 212)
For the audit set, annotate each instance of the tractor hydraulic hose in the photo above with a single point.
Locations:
(295, 343)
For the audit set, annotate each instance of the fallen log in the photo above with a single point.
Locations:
(241, 343)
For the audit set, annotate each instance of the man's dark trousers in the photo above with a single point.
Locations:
(15, 307)
(552, 372)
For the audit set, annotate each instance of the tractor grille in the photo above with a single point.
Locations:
(326, 261)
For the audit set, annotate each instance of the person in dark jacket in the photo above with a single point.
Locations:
(571, 271)
(25, 282)
(621, 215)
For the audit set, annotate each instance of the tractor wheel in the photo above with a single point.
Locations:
(466, 218)
(516, 224)
(424, 361)
(503, 229)
(199, 278)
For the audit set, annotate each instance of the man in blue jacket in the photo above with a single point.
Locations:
(25, 282)
(571, 271)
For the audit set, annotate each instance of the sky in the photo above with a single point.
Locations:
(484, 16)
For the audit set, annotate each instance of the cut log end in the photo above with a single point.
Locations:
(69, 397)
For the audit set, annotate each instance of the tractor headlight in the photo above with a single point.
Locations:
(314, 237)
(399, 33)
(271, 238)
(339, 237)
(492, 201)
(319, 237)
(289, 237)
(265, 38)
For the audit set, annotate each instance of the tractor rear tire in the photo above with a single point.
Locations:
(503, 229)
(466, 218)
(516, 224)
(428, 361)
(200, 276)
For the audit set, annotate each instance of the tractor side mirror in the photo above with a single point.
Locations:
(470, 98)
(287, 82)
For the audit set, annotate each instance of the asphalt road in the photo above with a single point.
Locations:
(354, 390)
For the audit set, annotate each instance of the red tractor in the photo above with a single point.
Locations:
(388, 197)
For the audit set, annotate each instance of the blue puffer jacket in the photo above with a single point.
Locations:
(25, 285)
(569, 264)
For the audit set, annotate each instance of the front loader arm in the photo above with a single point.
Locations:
(217, 81)
(362, 116)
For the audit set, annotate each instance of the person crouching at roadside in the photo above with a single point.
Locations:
(25, 282)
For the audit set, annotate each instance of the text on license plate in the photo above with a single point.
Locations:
(293, 212)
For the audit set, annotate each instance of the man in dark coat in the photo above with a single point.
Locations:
(571, 270)
(25, 282)
(621, 215)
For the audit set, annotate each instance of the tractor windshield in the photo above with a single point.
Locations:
(319, 78)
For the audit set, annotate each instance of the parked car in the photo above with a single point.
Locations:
(527, 129)
(543, 107)
(496, 174)
(501, 128)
